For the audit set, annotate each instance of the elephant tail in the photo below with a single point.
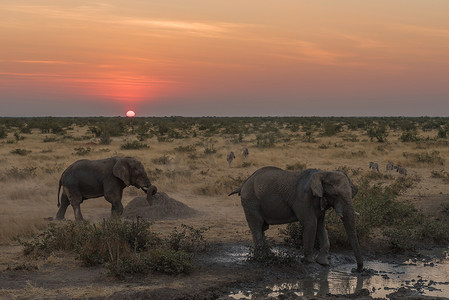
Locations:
(59, 190)
(236, 191)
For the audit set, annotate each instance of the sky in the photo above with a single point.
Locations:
(224, 58)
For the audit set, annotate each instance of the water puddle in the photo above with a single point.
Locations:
(426, 276)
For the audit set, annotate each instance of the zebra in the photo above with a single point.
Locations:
(245, 153)
(401, 170)
(230, 158)
(390, 166)
(374, 166)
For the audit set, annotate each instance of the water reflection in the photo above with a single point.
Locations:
(426, 277)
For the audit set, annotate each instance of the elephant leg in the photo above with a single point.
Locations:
(323, 240)
(310, 228)
(116, 201)
(65, 202)
(75, 198)
(256, 226)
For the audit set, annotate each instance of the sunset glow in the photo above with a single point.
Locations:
(199, 58)
(130, 113)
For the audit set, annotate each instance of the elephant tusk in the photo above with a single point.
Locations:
(145, 189)
(357, 213)
(340, 215)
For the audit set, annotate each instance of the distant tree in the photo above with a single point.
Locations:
(442, 132)
(3, 132)
(378, 132)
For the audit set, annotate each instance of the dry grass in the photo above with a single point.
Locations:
(29, 183)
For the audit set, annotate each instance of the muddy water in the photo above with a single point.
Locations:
(427, 275)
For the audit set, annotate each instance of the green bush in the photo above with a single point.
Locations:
(189, 239)
(399, 222)
(170, 261)
(380, 133)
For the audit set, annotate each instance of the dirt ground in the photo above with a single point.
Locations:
(222, 272)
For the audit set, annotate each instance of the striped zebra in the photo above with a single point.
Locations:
(230, 158)
(401, 170)
(390, 166)
(374, 166)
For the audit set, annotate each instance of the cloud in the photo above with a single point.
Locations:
(104, 14)
(49, 62)
(424, 30)
(364, 42)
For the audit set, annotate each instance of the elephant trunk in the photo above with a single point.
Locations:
(151, 191)
(349, 223)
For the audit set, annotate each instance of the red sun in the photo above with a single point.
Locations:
(130, 113)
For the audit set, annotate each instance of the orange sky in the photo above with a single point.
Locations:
(232, 58)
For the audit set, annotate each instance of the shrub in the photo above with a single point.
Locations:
(380, 133)
(442, 132)
(49, 139)
(21, 152)
(188, 239)
(331, 128)
(3, 132)
(82, 150)
(188, 148)
(16, 173)
(298, 166)
(123, 247)
(209, 147)
(432, 158)
(105, 139)
(266, 140)
(134, 145)
(18, 137)
(409, 136)
(170, 261)
(163, 160)
(400, 223)
(440, 174)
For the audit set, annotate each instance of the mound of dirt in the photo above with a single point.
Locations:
(163, 208)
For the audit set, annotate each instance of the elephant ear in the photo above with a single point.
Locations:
(354, 189)
(315, 185)
(121, 171)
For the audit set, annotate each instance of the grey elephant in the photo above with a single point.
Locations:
(86, 179)
(275, 196)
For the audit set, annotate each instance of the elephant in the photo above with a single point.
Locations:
(274, 196)
(86, 179)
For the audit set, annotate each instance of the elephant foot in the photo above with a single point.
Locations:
(308, 259)
(59, 217)
(322, 259)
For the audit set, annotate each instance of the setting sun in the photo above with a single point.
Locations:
(130, 113)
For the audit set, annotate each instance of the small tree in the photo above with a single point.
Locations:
(379, 132)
